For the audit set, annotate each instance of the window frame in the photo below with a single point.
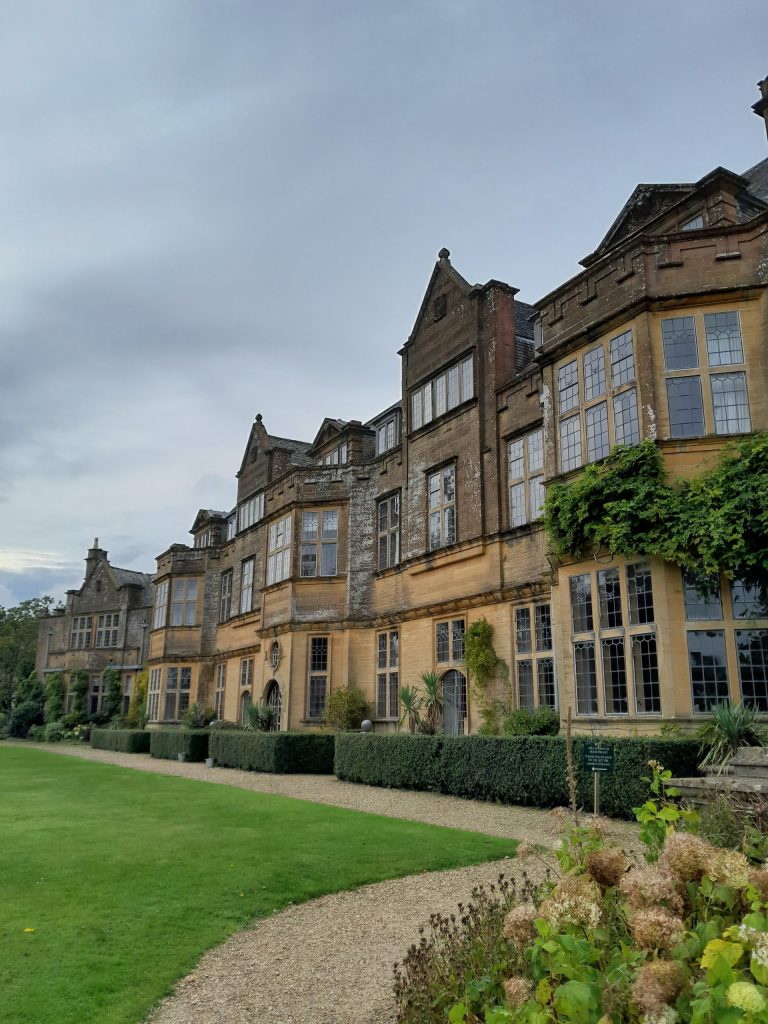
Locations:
(321, 543)
(318, 676)
(107, 629)
(442, 507)
(388, 675)
(529, 469)
(432, 399)
(160, 609)
(383, 427)
(247, 574)
(279, 550)
(386, 532)
(534, 658)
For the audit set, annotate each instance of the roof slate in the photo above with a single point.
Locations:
(523, 322)
(757, 177)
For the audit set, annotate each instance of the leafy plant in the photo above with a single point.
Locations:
(479, 654)
(137, 706)
(78, 685)
(198, 716)
(541, 721)
(731, 726)
(345, 710)
(25, 716)
(261, 718)
(432, 702)
(113, 698)
(411, 703)
(55, 694)
(55, 732)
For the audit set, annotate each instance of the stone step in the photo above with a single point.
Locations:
(700, 790)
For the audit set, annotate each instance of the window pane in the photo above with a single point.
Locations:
(625, 419)
(523, 630)
(450, 525)
(646, 668)
(723, 332)
(440, 395)
(752, 654)
(318, 661)
(394, 649)
(381, 654)
(317, 686)
(441, 637)
(693, 224)
(434, 530)
(581, 603)
(328, 560)
(749, 601)
(615, 676)
(679, 338)
(453, 387)
(568, 386)
(394, 695)
(416, 410)
(536, 495)
(594, 373)
(701, 596)
(543, 625)
(427, 398)
(545, 671)
(686, 409)
(570, 444)
(731, 405)
(586, 678)
(457, 639)
(640, 594)
(466, 379)
(622, 360)
(536, 451)
(525, 684)
(709, 672)
(449, 484)
(516, 460)
(609, 594)
(517, 504)
(330, 525)
(309, 526)
(598, 444)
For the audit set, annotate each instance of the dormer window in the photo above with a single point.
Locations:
(338, 457)
(693, 224)
(387, 434)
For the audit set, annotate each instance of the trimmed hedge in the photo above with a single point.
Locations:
(527, 770)
(168, 743)
(126, 741)
(276, 752)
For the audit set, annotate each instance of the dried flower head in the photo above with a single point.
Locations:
(518, 990)
(729, 867)
(519, 927)
(760, 948)
(657, 985)
(575, 900)
(651, 887)
(656, 928)
(686, 856)
(560, 815)
(666, 1016)
(758, 877)
(607, 866)
(525, 850)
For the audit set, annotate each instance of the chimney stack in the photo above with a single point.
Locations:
(761, 107)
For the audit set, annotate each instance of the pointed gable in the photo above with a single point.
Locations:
(646, 203)
(444, 283)
(329, 429)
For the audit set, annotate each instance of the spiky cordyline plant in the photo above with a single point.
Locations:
(731, 726)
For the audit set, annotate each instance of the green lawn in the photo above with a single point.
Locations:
(127, 878)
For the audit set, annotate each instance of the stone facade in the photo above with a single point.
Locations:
(360, 558)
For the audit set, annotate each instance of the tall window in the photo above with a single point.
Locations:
(534, 662)
(449, 641)
(246, 585)
(526, 478)
(279, 551)
(387, 675)
(153, 695)
(318, 675)
(388, 531)
(614, 641)
(607, 411)
(127, 691)
(225, 596)
(178, 684)
(688, 415)
(221, 683)
(231, 527)
(82, 633)
(251, 511)
(319, 537)
(387, 434)
(444, 392)
(106, 629)
(161, 605)
(442, 507)
(184, 602)
(246, 673)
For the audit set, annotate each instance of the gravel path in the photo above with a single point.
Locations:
(329, 961)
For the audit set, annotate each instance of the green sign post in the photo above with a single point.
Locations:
(597, 758)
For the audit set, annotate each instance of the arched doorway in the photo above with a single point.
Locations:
(454, 703)
(275, 701)
(245, 703)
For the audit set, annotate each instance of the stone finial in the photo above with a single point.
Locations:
(444, 254)
(95, 542)
(761, 107)
(258, 417)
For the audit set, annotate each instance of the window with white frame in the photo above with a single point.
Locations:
(231, 527)
(318, 676)
(608, 408)
(388, 531)
(153, 695)
(221, 684)
(442, 393)
(251, 511)
(387, 675)
(449, 641)
(319, 538)
(184, 602)
(107, 626)
(225, 596)
(246, 585)
(388, 434)
(81, 635)
(441, 487)
(686, 392)
(534, 663)
(161, 605)
(614, 641)
(204, 539)
(337, 457)
(279, 551)
(525, 464)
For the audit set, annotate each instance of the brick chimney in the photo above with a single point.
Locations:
(761, 107)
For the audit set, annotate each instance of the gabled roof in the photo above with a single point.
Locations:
(268, 442)
(205, 515)
(444, 267)
(645, 204)
(328, 428)
(398, 405)
(757, 177)
(299, 449)
(129, 577)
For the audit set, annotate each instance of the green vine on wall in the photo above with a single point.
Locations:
(717, 522)
(479, 654)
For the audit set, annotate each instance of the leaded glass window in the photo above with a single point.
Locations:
(708, 668)
(723, 332)
(730, 403)
(686, 407)
(581, 603)
(679, 338)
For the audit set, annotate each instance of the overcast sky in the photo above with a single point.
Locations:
(213, 209)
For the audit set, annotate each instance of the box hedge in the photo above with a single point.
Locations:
(169, 743)
(126, 741)
(277, 752)
(527, 770)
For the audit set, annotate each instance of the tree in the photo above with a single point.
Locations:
(19, 627)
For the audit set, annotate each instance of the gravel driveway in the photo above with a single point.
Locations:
(329, 961)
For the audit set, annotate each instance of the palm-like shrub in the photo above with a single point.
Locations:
(411, 703)
(730, 727)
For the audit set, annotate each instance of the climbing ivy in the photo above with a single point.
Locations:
(717, 522)
(480, 657)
